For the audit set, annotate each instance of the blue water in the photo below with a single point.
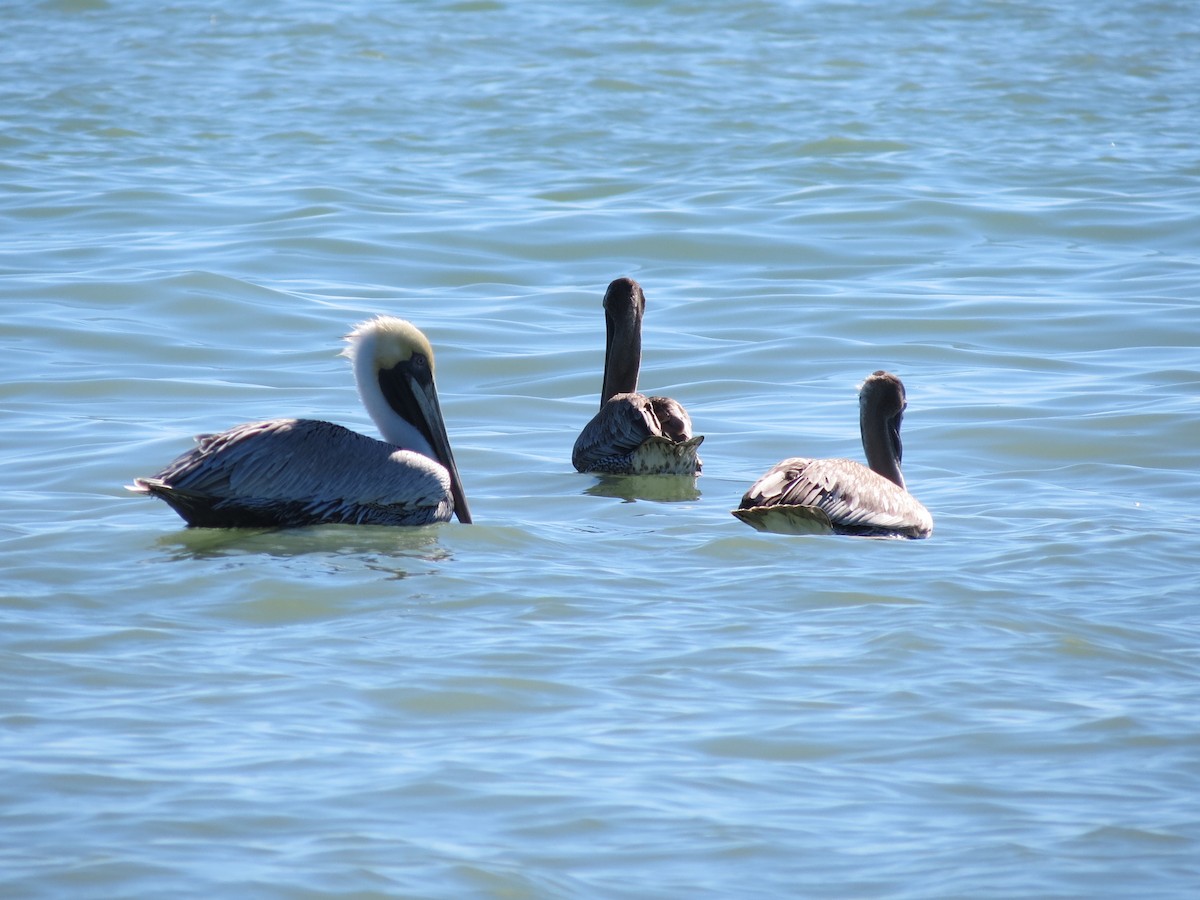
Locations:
(606, 687)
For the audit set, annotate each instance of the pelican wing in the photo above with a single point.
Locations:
(635, 434)
(286, 472)
(854, 499)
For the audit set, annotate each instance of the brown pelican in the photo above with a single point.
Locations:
(820, 496)
(286, 472)
(633, 434)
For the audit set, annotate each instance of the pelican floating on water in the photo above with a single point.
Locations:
(820, 496)
(288, 472)
(633, 434)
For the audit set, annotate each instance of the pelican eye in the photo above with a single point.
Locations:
(418, 365)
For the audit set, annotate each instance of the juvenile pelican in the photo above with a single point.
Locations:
(633, 434)
(820, 496)
(286, 472)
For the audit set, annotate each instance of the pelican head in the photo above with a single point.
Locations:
(393, 368)
(881, 405)
(624, 306)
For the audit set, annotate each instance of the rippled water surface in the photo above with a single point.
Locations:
(606, 687)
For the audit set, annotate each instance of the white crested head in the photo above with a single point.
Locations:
(381, 345)
(385, 341)
(393, 368)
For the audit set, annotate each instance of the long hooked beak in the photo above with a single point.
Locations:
(414, 396)
(434, 427)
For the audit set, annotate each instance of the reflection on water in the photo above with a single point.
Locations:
(357, 540)
(658, 488)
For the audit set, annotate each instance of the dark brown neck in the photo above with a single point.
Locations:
(623, 308)
(881, 440)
